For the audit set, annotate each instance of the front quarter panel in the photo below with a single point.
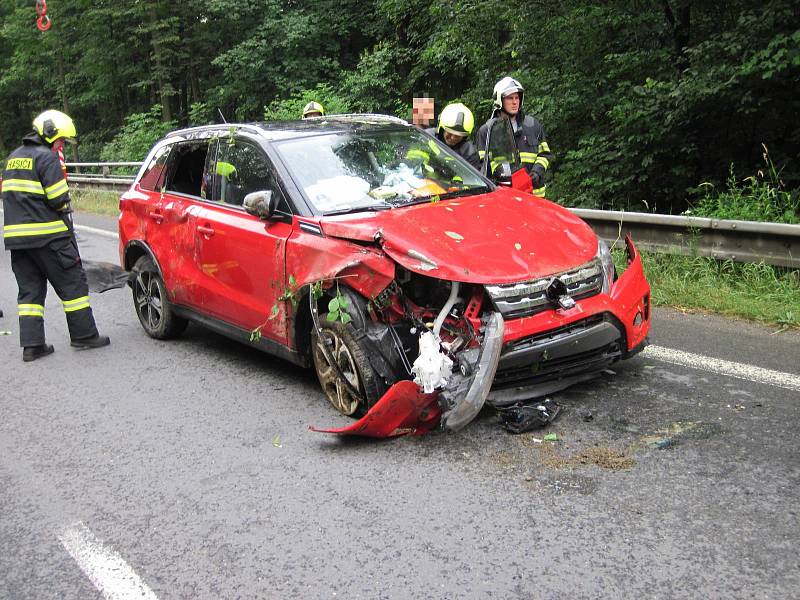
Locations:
(631, 295)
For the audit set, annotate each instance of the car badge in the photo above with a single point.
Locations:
(558, 296)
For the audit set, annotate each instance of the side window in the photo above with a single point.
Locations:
(240, 168)
(152, 178)
(187, 163)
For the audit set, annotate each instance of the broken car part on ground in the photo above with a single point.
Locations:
(417, 288)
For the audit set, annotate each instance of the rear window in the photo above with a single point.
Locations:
(187, 164)
(152, 178)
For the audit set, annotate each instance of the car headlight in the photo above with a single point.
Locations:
(607, 261)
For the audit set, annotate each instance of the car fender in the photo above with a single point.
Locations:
(133, 248)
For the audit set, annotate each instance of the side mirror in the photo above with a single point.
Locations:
(260, 204)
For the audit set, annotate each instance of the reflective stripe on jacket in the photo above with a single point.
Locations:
(35, 195)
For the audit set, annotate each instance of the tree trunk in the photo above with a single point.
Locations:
(679, 21)
(163, 88)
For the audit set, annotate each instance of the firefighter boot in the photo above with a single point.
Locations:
(96, 341)
(31, 353)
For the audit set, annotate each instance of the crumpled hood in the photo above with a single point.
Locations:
(500, 237)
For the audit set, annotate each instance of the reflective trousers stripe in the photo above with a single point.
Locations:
(30, 310)
(77, 304)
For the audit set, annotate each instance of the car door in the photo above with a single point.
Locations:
(171, 227)
(241, 258)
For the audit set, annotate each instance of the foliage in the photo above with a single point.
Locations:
(337, 308)
(290, 109)
(137, 135)
(761, 197)
(754, 291)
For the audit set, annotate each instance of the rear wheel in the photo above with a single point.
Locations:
(152, 304)
(352, 362)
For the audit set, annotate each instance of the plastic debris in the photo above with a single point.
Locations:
(551, 437)
(520, 417)
(276, 441)
(662, 443)
(5, 333)
(432, 368)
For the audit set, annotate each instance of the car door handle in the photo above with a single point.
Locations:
(209, 231)
(156, 216)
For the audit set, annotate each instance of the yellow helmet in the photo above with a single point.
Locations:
(54, 124)
(457, 119)
(313, 107)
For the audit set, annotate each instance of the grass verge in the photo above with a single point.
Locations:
(96, 202)
(754, 291)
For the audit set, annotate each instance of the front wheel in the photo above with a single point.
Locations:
(152, 304)
(352, 362)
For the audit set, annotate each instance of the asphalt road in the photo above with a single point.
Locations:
(189, 462)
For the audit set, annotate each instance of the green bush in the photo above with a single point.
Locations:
(291, 109)
(137, 135)
(761, 197)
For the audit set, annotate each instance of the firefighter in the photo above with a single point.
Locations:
(530, 136)
(455, 126)
(38, 231)
(313, 109)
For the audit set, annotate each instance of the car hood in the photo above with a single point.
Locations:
(500, 237)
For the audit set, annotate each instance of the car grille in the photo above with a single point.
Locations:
(542, 370)
(530, 297)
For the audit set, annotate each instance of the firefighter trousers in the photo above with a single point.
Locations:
(59, 263)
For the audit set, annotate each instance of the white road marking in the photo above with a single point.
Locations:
(723, 367)
(96, 231)
(106, 569)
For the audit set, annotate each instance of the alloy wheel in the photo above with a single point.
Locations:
(334, 388)
(148, 300)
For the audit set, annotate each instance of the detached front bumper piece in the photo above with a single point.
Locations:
(403, 409)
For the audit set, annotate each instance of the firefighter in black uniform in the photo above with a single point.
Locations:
(455, 125)
(38, 232)
(530, 136)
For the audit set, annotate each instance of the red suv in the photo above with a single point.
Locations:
(360, 245)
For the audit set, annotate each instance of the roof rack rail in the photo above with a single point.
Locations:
(356, 116)
(226, 126)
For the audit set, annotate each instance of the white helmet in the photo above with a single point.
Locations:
(504, 87)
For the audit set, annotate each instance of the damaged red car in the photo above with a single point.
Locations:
(418, 288)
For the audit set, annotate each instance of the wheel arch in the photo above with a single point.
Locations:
(136, 249)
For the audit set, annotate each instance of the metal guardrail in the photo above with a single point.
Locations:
(741, 241)
(104, 180)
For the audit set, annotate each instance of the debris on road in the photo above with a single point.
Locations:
(520, 417)
(104, 276)
(551, 437)
(678, 431)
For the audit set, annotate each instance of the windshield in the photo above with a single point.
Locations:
(351, 171)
